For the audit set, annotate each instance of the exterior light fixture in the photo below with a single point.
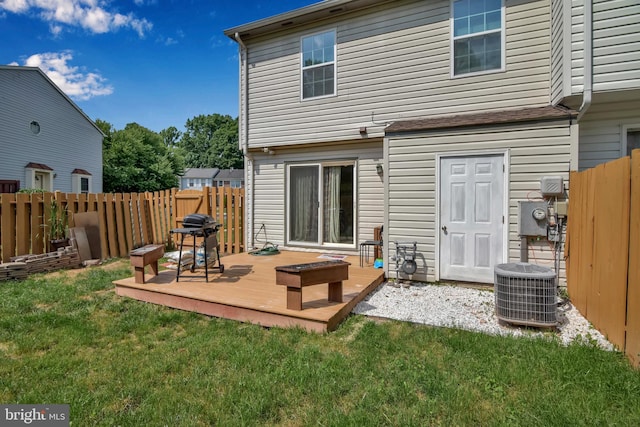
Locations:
(379, 168)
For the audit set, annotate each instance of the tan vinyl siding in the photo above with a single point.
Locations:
(534, 151)
(601, 131)
(577, 46)
(557, 51)
(270, 188)
(393, 61)
(616, 44)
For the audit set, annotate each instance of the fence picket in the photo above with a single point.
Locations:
(23, 223)
(37, 224)
(128, 226)
(633, 292)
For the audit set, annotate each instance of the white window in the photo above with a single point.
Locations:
(630, 139)
(80, 181)
(236, 183)
(319, 65)
(84, 185)
(321, 204)
(220, 183)
(477, 36)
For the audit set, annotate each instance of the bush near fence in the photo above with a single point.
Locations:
(127, 220)
(603, 250)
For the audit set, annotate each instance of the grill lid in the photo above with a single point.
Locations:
(198, 221)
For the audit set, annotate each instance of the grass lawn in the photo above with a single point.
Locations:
(67, 338)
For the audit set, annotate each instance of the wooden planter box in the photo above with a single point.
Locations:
(296, 276)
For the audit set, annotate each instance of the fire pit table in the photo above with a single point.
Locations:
(296, 276)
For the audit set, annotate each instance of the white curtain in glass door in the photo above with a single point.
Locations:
(331, 213)
(304, 203)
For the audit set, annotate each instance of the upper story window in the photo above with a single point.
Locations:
(319, 65)
(478, 36)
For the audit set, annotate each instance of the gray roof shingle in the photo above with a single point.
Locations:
(486, 118)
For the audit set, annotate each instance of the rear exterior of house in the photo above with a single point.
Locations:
(47, 142)
(434, 118)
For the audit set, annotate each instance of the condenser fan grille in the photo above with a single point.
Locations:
(525, 294)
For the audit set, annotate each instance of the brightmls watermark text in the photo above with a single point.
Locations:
(34, 415)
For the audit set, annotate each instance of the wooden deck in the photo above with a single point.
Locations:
(247, 291)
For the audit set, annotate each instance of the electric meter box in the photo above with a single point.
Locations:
(532, 218)
(552, 186)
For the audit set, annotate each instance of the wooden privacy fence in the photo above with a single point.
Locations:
(225, 204)
(603, 250)
(127, 221)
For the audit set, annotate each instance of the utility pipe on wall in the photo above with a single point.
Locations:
(587, 86)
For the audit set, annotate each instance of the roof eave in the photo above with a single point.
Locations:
(297, 17)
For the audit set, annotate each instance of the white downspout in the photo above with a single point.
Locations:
(244, 115)
(587, 87)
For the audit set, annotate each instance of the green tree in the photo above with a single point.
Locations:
(211, 142)
(107, 129)
(136, 159)
(170, 136)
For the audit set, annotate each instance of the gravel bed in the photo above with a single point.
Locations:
(469, 309)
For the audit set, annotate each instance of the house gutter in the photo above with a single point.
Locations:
(244, 144)
(588, 59)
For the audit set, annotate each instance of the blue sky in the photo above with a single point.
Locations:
(153, 62)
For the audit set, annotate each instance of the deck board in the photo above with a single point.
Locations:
(247, 291)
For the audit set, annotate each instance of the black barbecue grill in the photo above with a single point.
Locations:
(203, 226)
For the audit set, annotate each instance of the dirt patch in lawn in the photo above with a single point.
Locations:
(110, 265)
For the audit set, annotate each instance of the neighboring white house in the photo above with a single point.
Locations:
(434, 118)
(46, 141)
(197, 178)
(233, 178)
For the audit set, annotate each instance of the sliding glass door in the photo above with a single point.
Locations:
(321, 204)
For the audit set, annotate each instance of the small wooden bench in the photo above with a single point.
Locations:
(296, 276)
(146, 255)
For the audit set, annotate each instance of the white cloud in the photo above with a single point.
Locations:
(73, 81)
(88, 14)
(15, 6)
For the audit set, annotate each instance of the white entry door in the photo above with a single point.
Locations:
(471, 217)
